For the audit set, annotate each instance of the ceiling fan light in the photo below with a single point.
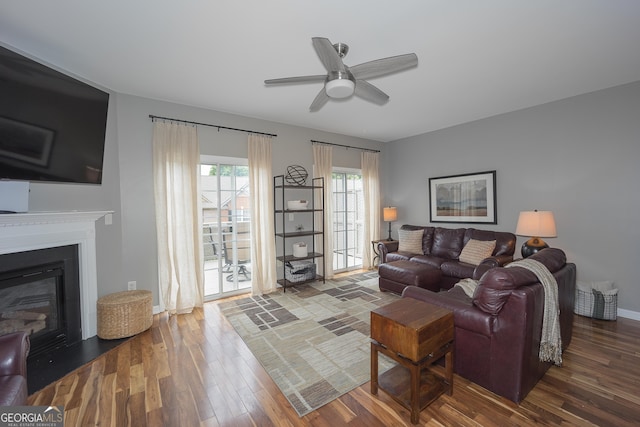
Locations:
(339, 88)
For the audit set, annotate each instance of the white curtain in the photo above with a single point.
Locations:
(176, 157)
(371, 189)
(263, 247)
(322, 167)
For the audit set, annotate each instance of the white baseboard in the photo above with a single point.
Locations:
(628, 314)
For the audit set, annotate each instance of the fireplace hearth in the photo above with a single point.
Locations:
(40, 294)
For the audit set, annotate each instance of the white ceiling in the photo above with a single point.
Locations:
(476, 58)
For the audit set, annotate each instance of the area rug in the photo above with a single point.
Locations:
(313, 340)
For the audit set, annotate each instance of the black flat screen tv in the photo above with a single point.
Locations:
(52, 126)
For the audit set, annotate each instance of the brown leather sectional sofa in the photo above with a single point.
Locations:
(441, 248)
(14, 349)
(498, 330)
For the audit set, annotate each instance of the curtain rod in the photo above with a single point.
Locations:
(344, 146)
(210, 125)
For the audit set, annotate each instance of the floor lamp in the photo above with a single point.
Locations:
(390, 214)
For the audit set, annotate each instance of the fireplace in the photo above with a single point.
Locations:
(34, 231)
(40, 294)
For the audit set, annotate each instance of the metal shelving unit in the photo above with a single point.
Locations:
(280, 192)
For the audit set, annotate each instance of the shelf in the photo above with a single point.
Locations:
(299, 233)
(286, 283)
(396, 382)
(296, 210)
(298, 187)
(287, 258)
(315, 193)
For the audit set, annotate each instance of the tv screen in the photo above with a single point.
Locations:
(52, 126)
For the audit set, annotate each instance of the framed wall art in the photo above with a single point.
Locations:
(469, 198)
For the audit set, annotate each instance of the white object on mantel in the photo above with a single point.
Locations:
(39, 230)
(14, 196)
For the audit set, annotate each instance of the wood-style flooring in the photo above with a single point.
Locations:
(194, 370)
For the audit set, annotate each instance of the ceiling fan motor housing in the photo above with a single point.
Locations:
(340, 84)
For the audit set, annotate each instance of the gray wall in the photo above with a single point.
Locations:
(127, 249)
(577, 157)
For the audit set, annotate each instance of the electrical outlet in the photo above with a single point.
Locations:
(132, 285)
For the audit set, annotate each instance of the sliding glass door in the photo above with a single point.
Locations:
(225, 228)
(348, 217)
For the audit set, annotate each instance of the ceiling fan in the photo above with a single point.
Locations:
(342, 81)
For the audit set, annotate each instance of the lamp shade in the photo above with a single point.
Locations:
(390, 213)
(536, 223)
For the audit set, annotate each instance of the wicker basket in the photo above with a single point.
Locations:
(124, 314)
(598, 300)
(299, 271)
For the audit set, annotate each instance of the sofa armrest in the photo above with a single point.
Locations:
(465, 314)
(503, 259)
(386, 246)
(14, 349)
(489, 263)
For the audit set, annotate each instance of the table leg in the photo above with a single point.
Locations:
(374, 369)
(448, 363)
(415, 393)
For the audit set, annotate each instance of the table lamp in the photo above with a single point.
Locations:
(535, 224)
(389, 214)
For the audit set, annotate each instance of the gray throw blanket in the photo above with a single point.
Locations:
(551, 341)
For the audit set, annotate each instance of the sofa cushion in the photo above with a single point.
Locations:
(410, 241)
(447, 242)
(430, 260)
(457, 269)
(411, 273)
(477, 250)
(505, 241)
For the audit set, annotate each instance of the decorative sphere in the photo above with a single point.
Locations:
(296, 175)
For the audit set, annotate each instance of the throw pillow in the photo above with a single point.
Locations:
(410, 241)
(477, 250)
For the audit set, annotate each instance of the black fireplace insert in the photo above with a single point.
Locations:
(40, 294)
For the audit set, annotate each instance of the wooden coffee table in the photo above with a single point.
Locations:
(415, 334)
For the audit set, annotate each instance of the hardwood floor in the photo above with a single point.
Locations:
(194, 370)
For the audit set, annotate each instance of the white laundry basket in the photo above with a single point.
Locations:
(598, 300)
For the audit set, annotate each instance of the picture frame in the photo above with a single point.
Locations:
(25, 142)
(466, 198)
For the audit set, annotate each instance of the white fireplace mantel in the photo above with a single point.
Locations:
(39, 230)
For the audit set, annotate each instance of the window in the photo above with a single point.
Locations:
(348, 216)
(226, 235)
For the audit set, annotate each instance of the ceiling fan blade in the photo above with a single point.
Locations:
(328, 54)
(371, 93)
(321, 99)
(301, 79)
(380, 67)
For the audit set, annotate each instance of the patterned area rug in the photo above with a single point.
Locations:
(313, 340)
